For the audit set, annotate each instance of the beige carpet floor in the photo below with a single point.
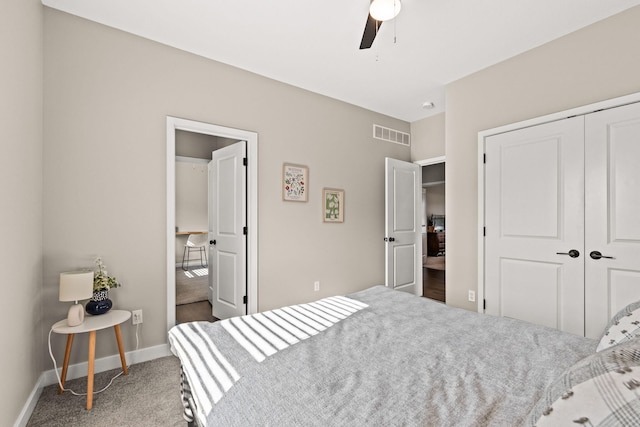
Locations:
(194, 312)
(191, 285)
(148, 397)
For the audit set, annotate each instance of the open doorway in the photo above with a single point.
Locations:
(193, 154)
(434, 229)
(189, 150)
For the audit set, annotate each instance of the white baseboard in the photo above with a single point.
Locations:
(80, 370)
(30, 405)
(110, 362)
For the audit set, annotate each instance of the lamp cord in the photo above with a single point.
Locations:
(55, 368)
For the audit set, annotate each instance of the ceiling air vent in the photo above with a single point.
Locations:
(391, 135)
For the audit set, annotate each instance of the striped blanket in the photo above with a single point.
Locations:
(261, 335)
(264, 334)
(376, 358)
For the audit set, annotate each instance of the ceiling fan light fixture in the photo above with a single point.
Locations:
(384, 10)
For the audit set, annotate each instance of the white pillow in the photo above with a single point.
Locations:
(600, 390)
(624, 326)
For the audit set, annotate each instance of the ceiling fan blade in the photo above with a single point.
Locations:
(370, 30)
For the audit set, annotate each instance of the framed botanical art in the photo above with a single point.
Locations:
(295, 181)
(332, 205)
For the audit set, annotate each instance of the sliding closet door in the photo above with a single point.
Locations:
(534, 225)
(612, 215)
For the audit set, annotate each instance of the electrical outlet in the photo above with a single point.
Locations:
(472, 296)
(316, 286)
(136, 317)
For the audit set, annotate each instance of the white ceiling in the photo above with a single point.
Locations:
(314, 44)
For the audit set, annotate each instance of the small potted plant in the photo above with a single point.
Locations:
(102, 282)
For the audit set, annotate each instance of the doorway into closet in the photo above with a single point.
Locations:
(190, 254)
(433, 229)
(194, 152)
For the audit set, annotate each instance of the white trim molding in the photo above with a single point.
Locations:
(431, 161)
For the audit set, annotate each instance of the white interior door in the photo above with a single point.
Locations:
(534, 218)
(612, 213)
(403, 250)
(227, 231)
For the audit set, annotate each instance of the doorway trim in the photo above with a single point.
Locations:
(431, 161)
(173, 124)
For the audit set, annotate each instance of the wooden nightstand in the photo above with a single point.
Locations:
(92, 324)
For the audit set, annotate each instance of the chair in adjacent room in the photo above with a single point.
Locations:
(195, 242)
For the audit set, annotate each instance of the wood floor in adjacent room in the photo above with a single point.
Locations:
(433, 278)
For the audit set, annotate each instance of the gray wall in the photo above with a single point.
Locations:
(596, 63)
(107, 95)
(435, 199)
(428, 137)
(21, 305)
(192, 195)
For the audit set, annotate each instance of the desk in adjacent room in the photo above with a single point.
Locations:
(186, 233)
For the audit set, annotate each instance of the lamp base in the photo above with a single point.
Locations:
(75, 316)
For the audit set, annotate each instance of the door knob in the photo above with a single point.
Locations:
(389, 239)
(572, 253)
(598, 255)
(212, 242)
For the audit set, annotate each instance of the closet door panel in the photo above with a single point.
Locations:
(534, 202)
(612, 213)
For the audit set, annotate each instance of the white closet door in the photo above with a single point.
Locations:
(534, 217)
(612, 213)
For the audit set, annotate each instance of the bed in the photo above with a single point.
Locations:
(379, 358)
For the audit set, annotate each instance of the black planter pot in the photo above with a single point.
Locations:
(99, 302)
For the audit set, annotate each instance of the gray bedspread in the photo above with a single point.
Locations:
(400, 360)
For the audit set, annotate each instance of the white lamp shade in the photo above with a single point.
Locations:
(76, 285)
(383, 10)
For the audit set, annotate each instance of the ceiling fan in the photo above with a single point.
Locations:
(379, 11)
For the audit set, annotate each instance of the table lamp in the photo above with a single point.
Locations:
(75, 286)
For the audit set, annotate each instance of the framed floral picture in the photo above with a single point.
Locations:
(332, 205)
(295, 181)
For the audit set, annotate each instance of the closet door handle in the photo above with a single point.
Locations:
(212, 242)
(573, 253)
(598, 255)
